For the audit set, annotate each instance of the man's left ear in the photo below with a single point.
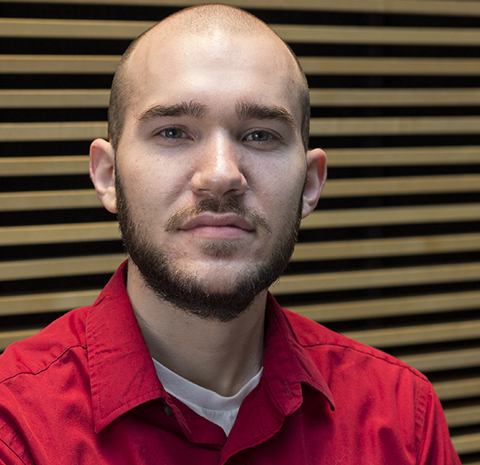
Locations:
(316, 176)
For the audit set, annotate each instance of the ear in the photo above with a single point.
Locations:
(316, 176)
(102, 172)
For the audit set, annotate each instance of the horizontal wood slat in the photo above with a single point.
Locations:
(377, 35)
(30, 132)
(99, 29)
(457, 389)
(393, 215)
(335, 250)
(56, 98)
(63, 64)
(448, 360)
(389, 307)
(86, 198)
(402, 186)
(394, 97)
(324, 312)
(98, 98)
(78, 164)
(49, 200)
(466, 444)
(46, 302)
(17, 132)
(17, 201)
(424, 7)
(293, 284)
(101, 231)
(404, 156)
(59, 233)
(72, 29)
(106, 64)
(421, 334)
(462, 416)
(386, 277)
(64, 266)
(395, 126)
(44, 166)
(391, 66)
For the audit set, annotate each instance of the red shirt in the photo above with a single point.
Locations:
(85, 391)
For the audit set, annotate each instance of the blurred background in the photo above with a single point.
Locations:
(391, 257)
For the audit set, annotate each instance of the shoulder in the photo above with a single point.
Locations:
(335, 352)
(39, 382)
(366, 382)
(36, 354)
(395, 403)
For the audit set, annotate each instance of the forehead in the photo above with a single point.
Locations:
(218, 68)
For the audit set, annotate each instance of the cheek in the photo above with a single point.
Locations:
(281, 202)
(153, 182)
(285, 183)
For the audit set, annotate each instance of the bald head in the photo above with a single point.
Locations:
(199, 21)
(207, 19)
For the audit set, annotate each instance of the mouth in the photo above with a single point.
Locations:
(221, 226)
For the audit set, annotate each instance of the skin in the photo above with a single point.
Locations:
(170, 163)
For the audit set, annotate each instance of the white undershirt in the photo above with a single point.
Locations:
(218, 409)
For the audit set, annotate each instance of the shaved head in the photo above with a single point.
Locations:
(203, 20)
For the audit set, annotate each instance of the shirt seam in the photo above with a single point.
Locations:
(420, 419)
(43, 369)
(9, 448)
(391, 362)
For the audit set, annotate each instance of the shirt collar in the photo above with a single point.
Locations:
(122, 375)
(287, 364)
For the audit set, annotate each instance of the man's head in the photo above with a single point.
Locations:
(207, 166)
(202, 20)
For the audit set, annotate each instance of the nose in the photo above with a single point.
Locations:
(218, 171)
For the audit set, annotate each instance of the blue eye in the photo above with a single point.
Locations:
(172, 133)
(259, 136)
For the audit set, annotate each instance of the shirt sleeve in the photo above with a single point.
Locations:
(436, 447)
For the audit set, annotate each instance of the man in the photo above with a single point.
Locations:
(185, 358)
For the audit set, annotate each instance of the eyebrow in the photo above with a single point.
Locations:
(192, 109)
(247, 111)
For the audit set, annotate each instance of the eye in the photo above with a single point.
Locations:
(172, 133)
(259, 136)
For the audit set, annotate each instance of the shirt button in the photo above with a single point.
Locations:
(168, 410)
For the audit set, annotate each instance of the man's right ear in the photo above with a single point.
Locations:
(102, 172)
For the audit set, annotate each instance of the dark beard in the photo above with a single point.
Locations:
(187, 292)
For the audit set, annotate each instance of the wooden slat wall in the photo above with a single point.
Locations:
(391, 257)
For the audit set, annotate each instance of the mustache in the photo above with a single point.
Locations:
(229, 205)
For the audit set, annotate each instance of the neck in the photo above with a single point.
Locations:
(220, 356)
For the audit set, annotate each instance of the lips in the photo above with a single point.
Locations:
(224, 220)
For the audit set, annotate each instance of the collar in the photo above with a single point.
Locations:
(287, 365)
(123, 376)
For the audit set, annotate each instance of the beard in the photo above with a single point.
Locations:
(186, 291)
